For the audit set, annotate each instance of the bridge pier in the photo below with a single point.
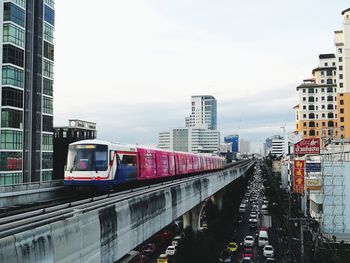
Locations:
(191, 217)
(218, 198)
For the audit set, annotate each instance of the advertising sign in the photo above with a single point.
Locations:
(307, 146)
(313, 167)
(313, 184)
(299, 173)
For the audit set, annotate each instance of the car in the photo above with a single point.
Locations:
(148, 249)
(176, 241)
(253, 221)
(163, 258)
(264, 228)
(248, 252)
(253, 214)
(246, 260)
(170, 251)
(268, 251)
(269, 260)
(225, 256)
(248, 241)
(232, 247)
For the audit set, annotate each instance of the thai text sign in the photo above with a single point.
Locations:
(313, 184)
(307, 146)
(299, 172)
(313, 167)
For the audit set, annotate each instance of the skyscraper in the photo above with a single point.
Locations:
(234, 139)
(26, 130)
(203, 112)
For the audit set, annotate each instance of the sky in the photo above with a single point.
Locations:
(132, 66)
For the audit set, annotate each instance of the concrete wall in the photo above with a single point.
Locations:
(107, 234)
(11, 195)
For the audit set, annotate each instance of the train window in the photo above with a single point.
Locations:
(129, 160)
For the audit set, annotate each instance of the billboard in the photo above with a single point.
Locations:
(312, 167)
(299, 173)
(307, 146)
(313, 184)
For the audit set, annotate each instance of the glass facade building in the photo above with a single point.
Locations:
(26, 130)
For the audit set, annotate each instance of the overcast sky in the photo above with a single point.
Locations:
(131, 66)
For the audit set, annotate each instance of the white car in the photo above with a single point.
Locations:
(253, 221)
(253, 214)
(248, 241)
(170, 250)
(268, 251)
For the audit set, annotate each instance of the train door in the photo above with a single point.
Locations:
(127, 166)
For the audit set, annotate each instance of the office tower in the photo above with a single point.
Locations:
(26, 148)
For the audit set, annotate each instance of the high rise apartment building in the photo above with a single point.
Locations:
(27, 56)
(342, 52)
(316, 112)
(203, 112)
(324, 100)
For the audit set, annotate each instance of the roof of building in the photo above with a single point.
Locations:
(323, 68)
(346, 10)
(314, 85)
(321, 56)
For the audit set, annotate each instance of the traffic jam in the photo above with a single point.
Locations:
(254, 238)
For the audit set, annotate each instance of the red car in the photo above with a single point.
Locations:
(248, 252)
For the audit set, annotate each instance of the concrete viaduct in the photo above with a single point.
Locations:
(108, 233)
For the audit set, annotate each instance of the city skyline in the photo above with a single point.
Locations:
(157, 55)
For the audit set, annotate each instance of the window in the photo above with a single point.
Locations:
(13, 55)
(312, 124)
(333, 63)
(311, 99)
(49, 15)
(340, 59)
(47, 105)
(342, 111)
(323, 106)
(311, 90)
(312, 133)
(311, 116)
(10, 178)
(323, 115)
(304, 115)
(50, 3)
(322, 90)
(341, 119)
(304, 99)
(47, 86)
(304, 124)
(341, 84)
(47, 160)
(329, 81)
(12, 97)
(11, 118)
(322, 98)
(13, 13)
(48, 69)
(330, 115)
(304, 107)
(46, 176)
(304, 132)
(340, 67)
(340, 50)
(48, 33)
(12, 76)
(340, 76)
(304, 90)
(323, 124)
(329, 98)
(47, 144)
(326, 64)
(311, 107)
(329, 73)
(341, 102)
(11, 140)
(47, 123)
(330, 107)
(10, 161)
(330, 124)
(13, 34)
(48, 50)
(322, 80)
(322, 73)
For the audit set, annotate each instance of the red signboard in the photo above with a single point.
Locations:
(307, 146)
(299, 172)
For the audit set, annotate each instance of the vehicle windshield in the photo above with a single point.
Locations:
(87, 157)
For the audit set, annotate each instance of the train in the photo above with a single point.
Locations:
(104, 165)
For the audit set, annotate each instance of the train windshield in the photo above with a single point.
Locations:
(87, 157)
